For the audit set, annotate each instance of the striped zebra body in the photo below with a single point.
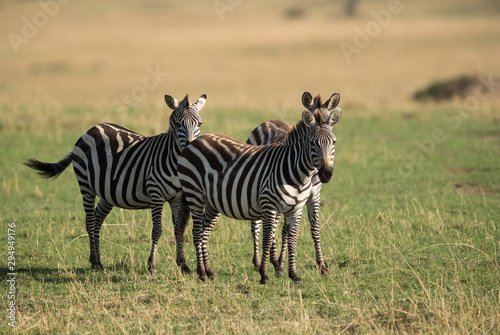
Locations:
(118, 165)
(220, 174)
(273, 132)
(128, 170)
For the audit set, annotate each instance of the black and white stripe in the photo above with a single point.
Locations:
(220, 174)
(128, 170)
(273, 132)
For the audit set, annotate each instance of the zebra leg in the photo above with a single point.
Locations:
(156, 211)
(313, 216)
(273, 257)
(279, 267)
(256, 232)
(273, 252)
(90, 224)
(196, 205)
(101, 211)
(198, 244)
(180, 216)
(269, 224)
(210, 218)
(293, 221)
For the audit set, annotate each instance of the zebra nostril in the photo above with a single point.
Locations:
(325, 174)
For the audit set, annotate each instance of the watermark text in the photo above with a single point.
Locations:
(31, 26)
(11, 275)
(151, 80)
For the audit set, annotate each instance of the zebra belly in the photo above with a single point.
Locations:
(232, 202)
(126, 202)
(128, 196)
(248, 205)
(253, 214)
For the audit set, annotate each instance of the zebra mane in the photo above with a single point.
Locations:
(172, 120)
(300, 128)
(318, 101)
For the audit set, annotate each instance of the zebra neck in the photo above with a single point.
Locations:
(174, 143)
(170, 148)
(297, 157)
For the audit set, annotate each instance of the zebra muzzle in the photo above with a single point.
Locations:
(325, 174)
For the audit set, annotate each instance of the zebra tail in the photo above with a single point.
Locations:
(49, 170)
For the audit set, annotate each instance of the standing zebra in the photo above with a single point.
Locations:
(220, 174)
(128, 170)
(272, 132)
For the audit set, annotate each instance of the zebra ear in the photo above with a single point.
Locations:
(308, 118)
(201, 102)
(332, 102)
(335, 116)
(171, 102)
(308, 102)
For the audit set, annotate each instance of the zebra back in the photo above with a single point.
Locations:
(269, 132)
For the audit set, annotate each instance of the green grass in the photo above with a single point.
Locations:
(410, 235)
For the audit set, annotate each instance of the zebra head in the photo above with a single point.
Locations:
(319, 119)
(185, 119)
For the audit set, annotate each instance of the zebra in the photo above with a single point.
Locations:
(128, 170)
(275, 131)
(220, 174)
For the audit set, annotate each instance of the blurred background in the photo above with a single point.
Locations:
(243, 54)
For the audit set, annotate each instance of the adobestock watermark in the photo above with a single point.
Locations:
(138, 93)
(363, 36)
(453, 119)
(32, 25)
(11, 274)
(223, 6)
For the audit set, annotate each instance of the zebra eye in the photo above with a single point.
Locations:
(199, 124)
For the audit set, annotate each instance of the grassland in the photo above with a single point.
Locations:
(406, 252)
(409, 223)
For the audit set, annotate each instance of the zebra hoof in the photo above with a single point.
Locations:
(185, 269)
(98, 267)
(152, 271)
(264, 280)
(297, 281)
(203, 278)
(324, 271)
(210, 274)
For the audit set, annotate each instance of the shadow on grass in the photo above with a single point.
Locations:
(61, 276)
